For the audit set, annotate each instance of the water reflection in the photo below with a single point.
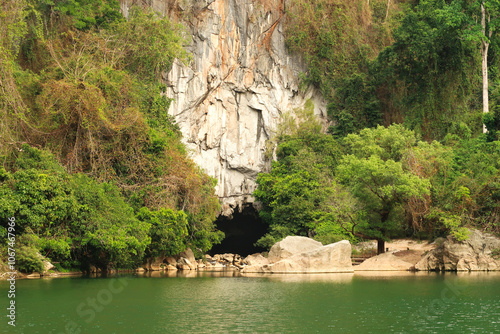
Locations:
(320, 277)
(230, 302)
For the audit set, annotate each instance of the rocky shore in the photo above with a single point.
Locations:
(294, 254)
(481, 252)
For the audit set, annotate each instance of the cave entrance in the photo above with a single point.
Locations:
(242, 231)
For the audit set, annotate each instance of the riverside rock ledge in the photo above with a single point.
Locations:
(332, 258)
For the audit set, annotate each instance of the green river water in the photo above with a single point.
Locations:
(215, 303)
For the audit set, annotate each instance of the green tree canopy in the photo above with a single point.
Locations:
(374, 173)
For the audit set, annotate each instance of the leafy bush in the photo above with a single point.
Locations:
(28, 260)
(149, 43)
(168, 231)
(299, 194)
(85, 14)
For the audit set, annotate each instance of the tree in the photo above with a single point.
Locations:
(296, 194)
(299, 194)
(70, 218)
(481, 18)
(485, 44)
(168, 232)
(374, 173)
(427, 79)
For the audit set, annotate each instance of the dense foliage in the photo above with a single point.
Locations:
(383, 182)
(428, 171)
(94, 170)
(411, 62)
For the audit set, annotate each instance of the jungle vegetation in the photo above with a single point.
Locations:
(406, 154)
(92, 167)
(95, 173)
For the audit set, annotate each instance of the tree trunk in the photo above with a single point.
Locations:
(387, 10)
(380, 246)
(484, 55)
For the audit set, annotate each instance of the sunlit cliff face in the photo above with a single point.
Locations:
(228, 100)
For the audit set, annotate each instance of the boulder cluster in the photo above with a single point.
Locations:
(480, 252)
(291, 255)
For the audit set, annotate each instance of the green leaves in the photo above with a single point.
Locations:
(376, 176)
(300, 195)
(429, 75)
(168, 231)
(149, 43)
(86, 14)
(386, 143)
(71, 216)
(86, 88)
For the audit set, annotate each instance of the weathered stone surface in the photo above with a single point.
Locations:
(170, 267)
(188, 254)
(185, 264)
(170, 260)
(48, 266)
(227, 258)
(154, 264)
(292, 245)
(384, 262)
(326, 259)
(255, 260)
(217, 266)
(94, 269)
(229, 99)
(478, 253)
(33, 275)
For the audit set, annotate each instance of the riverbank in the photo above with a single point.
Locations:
(296, 255)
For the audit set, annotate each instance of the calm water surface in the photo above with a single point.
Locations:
(321, 303)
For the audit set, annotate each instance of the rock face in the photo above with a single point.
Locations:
(187, 254)
(292, 245)
(48, 266)
(479, 253)
(384, 262)
(255, 260)
(154, 264)
(323, 259)
(229, 99)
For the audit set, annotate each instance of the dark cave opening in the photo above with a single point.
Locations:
(242, 231)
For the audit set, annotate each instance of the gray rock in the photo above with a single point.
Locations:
(48, 266)
(292, 245)
(255, 260)
(478, 253)
(170, 260)
(154, 264)
(185, 264)
(325, 259)
(188, 254)
(384, 262)
(33, 275)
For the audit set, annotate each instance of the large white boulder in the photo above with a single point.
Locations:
(255, 260)
(331, 258)
(292, 245)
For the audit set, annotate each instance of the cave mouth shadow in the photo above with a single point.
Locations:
(242, 231)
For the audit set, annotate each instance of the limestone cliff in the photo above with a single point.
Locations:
(229, 99)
